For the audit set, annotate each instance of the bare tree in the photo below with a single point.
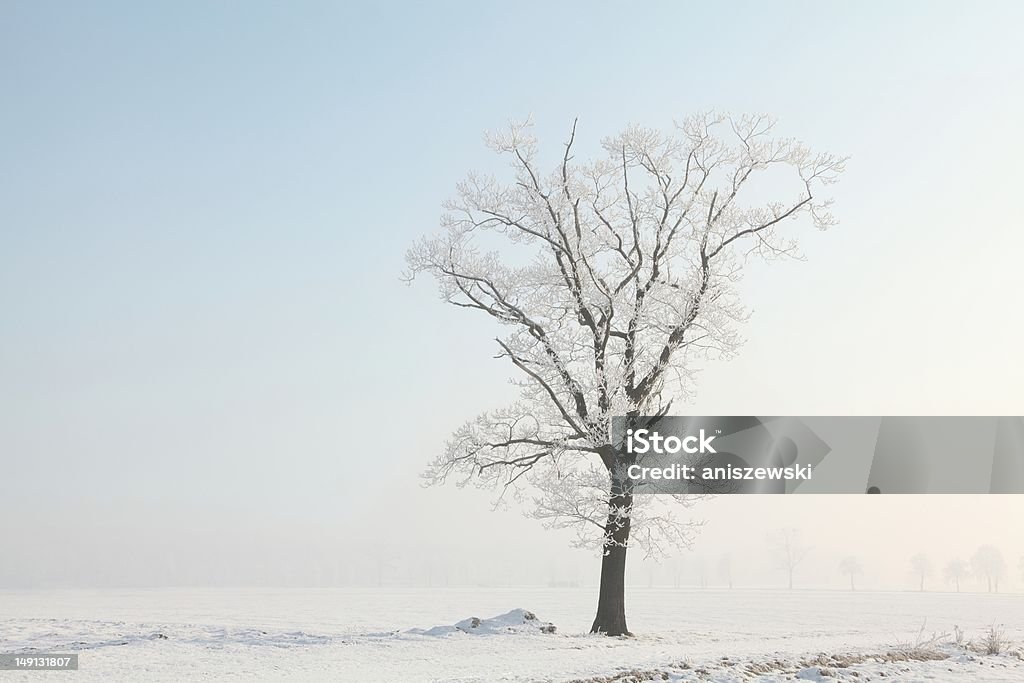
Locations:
(385, 562)
(678, 568)
(988, 563)
(922, 566)
(725, 568)
(852, 566)
(955, 570)
(610, 277)
(788, 550)
(701, 567)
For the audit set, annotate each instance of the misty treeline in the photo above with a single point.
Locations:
(765, 564)
(981, 570)
(819, 562)
(788, 560)
(984, 569)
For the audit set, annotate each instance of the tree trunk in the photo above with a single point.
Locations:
(611, 602)
(958, 584)
(852, 588)
(790, 579)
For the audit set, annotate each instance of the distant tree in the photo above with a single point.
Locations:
(702, 572)
(725, 568)
(922, 566)
(851, 565)
(678, 568)
(988, 563)
(611, 277)
(955, 570)
(788, 551)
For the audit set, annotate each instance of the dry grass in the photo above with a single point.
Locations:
(923, 647)
(825, 663)
(993, 641)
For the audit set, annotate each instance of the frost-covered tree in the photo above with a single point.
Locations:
(922, 567)
(788, 551)
(609, 278)
(955, 570)
(988, 563)
(851, 566)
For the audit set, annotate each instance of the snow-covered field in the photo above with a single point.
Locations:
(359, 634)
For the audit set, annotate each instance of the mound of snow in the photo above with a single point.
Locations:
(516, 621)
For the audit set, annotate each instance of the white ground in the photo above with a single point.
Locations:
(350, 634)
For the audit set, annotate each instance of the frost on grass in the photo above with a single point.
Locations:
(515, 621)
(943, 664)
(994, 641)
(926, 656)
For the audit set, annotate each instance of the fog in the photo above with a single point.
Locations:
(210, 373)
(459, 543)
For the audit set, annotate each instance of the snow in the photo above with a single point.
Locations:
(367, 635)
(514, 621)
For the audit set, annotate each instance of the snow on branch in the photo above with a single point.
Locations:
(608, 277)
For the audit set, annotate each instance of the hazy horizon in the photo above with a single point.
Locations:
(203, 217)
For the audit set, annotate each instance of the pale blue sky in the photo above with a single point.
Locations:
(204, 209)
